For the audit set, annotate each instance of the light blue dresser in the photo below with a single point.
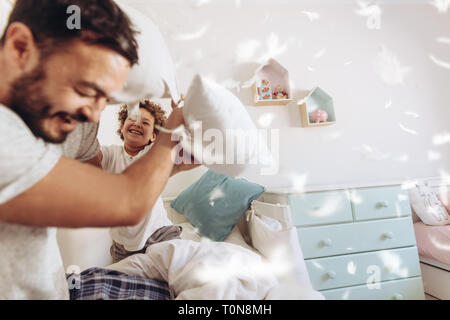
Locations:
(358, 243)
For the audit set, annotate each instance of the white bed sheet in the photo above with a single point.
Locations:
(197, 268)
(175, 262)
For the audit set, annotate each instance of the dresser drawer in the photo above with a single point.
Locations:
(322, 241)
(321, 208)
(380, 202)
(404, 289)
(362, 268)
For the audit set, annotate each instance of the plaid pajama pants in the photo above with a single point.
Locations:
(103, 284)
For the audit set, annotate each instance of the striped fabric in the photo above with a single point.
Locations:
(103, 284)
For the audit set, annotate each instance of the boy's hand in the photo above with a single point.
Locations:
(183, 167)
(177, 168)
(176, 117)
(175, 105)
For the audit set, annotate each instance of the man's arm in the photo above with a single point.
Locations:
(76, 194)
(97, 160)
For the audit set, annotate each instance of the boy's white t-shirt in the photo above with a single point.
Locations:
(116, 160)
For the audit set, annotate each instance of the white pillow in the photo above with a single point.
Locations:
(154, 76)
(274, 236)
(281, 213)
(427, 206)
(224, 123)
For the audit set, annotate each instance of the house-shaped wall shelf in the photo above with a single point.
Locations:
(278, 77)
(317, 99)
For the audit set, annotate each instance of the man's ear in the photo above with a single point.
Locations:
(20, 48)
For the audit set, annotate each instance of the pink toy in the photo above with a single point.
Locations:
(318, 116)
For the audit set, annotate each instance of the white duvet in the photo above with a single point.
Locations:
(207, 270)
(202, 270)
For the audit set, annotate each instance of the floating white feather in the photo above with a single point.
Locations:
(134, 113)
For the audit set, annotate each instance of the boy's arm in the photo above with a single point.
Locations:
(75, 194)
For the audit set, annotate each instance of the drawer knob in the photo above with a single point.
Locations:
(397, 296)
(331, 274)
(387, 235)
(325, 243)
(381, 204)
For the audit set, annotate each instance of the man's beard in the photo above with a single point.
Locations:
(28, 100)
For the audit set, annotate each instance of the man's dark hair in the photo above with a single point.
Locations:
(102, 23)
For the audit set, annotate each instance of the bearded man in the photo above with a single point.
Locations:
(55, 82)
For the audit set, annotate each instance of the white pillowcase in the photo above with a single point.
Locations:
(275, 237)
(154, 76)
(427, 206)
(224, 122)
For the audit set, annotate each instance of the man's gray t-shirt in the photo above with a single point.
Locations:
(82, 143)
(30, 261)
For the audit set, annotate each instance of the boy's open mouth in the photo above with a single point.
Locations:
(137, 132)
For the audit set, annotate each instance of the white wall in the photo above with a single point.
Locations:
(5, 8)
(390, 85)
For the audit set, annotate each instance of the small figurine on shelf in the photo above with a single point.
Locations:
(264, 90)
(280, 93)
(318, 116)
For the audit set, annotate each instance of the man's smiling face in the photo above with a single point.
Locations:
(70, 86)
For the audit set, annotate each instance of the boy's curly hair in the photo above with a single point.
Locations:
(155, 110)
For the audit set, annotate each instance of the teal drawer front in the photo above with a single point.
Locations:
(380, 202)
(404, 289)
(323, 241)
(321, 208)
(362, 268)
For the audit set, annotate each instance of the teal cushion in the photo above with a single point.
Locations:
(215, 203)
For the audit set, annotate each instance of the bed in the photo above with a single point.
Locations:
(85, 248)
(433, 243)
